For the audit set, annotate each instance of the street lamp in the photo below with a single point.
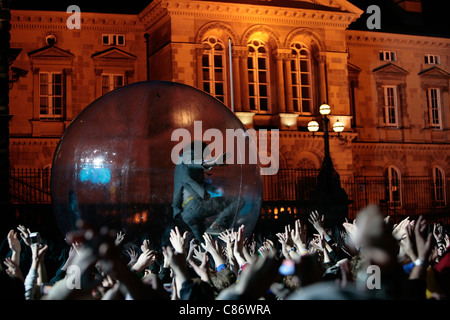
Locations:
(329, 194)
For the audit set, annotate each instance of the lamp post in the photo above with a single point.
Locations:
(330, 198)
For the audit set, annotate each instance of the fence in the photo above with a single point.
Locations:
(290, 190)
(290, 193)
(30, 186)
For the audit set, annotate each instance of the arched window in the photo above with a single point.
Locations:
(258, 75)
(439, 198)
(393, 185)
(301, 78)
(213, 67)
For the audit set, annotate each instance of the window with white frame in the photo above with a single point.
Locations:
(213, 67)
(258, 76)
(388, 56)
(301, 78)
(113, 39)
(393, 186)
(432, 59)
(111, 82)
(51, 96)
(439, 198)
(390, 106)
(434, 108)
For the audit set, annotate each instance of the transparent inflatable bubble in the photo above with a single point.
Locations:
(115, 164)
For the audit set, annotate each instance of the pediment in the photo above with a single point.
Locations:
(352, 68)
(434, 72)
(390, 69)
(113, 54)
(319, 5)
(51, 53)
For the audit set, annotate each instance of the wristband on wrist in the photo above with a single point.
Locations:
(419, 262)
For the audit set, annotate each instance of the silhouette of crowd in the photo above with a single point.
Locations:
(369, 258)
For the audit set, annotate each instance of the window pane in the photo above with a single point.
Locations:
(205, 61)
(305, 78)
(206, 87)
(304, 66)
(295, 103)
(251, 90)
(105, 81)
(263, 90)
(262, 77)
(251, 77)
(217, 61)
(218, 75)
(206, 74)
(252, 104)
(250, 63)
(261, 63)
(305, 92)
(57, 78)
(219, 89)
(264, 105)
(57, 106)
(43, 106)
(43, 89)
(118, 81)
(306, 105)
(293, 65)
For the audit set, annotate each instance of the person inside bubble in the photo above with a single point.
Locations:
(191, 198)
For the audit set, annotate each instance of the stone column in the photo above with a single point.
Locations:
(236, 81)
(322, 79)
(288, 85)
(243, 56)
(280, 83)
(198, 59)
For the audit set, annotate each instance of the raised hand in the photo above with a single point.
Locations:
(299, 235)
(13, 241)
(146, 259)
(119, 238)
(13, 269)
(25, 234)
(317, 221)
(177, 240)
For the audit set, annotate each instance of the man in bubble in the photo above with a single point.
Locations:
(191, 198)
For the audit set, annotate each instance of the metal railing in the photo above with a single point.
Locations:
(30, 186)
(290, 192)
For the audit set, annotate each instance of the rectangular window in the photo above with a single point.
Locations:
(258, 82)
(51, 98)
(434, 107)
(213, 70)
(390, 107)
(388, 56)
(432, 59)
(113, 39)
(111, 82)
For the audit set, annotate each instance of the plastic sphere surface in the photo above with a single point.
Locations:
(115, 163)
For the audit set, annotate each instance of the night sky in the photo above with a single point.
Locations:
(433, 21)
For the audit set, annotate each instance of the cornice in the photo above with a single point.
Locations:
(396, 41)
(386, 146)
(246, 13)
(26, 19)
(15, 141)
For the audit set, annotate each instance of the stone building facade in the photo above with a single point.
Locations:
(287, 57)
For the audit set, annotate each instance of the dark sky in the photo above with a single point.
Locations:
(127, 7)
(433, 21)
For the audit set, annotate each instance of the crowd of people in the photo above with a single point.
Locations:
(369, 258)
